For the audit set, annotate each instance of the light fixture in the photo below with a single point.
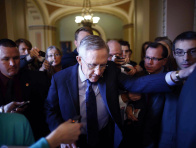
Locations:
(87, 18)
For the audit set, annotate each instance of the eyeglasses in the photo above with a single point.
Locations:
(95, 66)
(153, 58)
(180, 52)
(53, 55)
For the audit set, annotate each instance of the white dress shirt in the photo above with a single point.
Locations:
(102, 113)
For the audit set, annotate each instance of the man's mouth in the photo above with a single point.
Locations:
(186, 65)
(12, 69)
(148, 67)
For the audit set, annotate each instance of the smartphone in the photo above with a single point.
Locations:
(127, 69)
(76, 119)
(42, 54)
(22, 105)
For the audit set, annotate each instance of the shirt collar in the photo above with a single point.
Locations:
(81, 74)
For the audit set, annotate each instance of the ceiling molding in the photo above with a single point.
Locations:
(79, 3)
(124, 6)
(51, 8)
(60, 13)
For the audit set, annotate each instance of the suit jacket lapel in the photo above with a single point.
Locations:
(102, 89)
(72, 85)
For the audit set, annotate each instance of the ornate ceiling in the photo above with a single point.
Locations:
(53, 10)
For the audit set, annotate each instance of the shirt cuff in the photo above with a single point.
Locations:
(41, 143)
(28, 58)
(168, 79)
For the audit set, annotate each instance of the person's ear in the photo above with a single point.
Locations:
(164, 61)
(75, 42)
(79, 59)
(174, 54)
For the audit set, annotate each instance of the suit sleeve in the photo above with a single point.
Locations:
(23, 61)
(154, 83)
(53, 113)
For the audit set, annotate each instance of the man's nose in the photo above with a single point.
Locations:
(186, 56)
(124, 53)
(12, 62)
(150, 61)
(26, 51)
(97, 71)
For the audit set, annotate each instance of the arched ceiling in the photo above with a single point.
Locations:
(52, 10)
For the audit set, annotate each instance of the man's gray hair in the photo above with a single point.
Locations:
(92, 42)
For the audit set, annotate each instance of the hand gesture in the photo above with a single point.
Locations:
(130, 113)
(9, 108)
(134, 96)
(34, 52)
(118, 60)
(66, 133)
(45, 66)
(184, 73)
(132, 71)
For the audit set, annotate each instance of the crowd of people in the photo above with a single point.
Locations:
(97, 96)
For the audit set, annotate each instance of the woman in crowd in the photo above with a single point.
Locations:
(52, 63)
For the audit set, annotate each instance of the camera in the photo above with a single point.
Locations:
(42, 54)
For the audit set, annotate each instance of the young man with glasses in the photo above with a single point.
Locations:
(71, 88)
(184, 50)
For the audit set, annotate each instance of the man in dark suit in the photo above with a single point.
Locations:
(155, 60)
(22, 85)
(69, 59)
(29, 57)
(68, 92)
(185, 55)
(127, 52)
(186, 122)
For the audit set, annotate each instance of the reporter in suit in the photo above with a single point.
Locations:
(66, 96)
(25, 85)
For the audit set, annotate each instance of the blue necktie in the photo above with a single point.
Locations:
(91, 112)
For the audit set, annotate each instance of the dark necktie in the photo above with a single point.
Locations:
(91, 112)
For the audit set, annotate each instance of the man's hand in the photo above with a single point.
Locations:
(45, 66)
(67, 132)
(118, 60)
(34, 52)
(9, 108)
(132, 71)
(183, 74)
(130, 115)
(138, 68)
(134, 96)
(124, 97)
